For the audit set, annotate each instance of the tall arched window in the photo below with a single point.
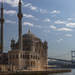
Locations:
(10, 56)
(35, 50)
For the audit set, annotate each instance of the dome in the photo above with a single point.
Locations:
(28, 35)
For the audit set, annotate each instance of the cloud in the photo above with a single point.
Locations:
(71, 19)
(53, 15)
(35, 18)
(10, 12)
(29, 16)
(9, 21)
(31, 7)
(68, 35)
(27, 5)
(43, 11)
(31, 24)
(47, 20)
(60, 22)
(47, 31)
(38, 26)
(52, 26)
(45, 34)
(55, 12)
(70, 24)
(59, 40)
(65, 29)
(13, 3)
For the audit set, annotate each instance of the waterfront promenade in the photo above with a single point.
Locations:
(49, 71)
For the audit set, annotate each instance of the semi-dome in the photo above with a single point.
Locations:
(28, 35)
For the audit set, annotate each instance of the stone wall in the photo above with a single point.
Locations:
(8, 67)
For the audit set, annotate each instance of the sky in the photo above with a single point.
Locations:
(50, 20)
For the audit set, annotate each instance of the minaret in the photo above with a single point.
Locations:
(20, 15)
(2, 28)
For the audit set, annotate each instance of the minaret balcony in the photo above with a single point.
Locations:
(2, 20)
(20, 15)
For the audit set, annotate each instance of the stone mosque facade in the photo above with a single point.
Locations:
(33, 54)
(28, 52)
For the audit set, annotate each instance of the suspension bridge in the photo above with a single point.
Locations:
(62, 60)
(71, 61)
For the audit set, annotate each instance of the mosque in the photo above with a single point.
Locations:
(29, 52)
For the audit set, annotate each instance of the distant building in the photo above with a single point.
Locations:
(28, 52)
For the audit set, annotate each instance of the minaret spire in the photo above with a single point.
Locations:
(20, 15)
(2, 4)
(2, 28)
(19, 0)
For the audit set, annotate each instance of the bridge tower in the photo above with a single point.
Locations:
(72, 57)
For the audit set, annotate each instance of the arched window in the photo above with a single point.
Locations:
(31, 56)
(27, 56)
(10, 56)
(23, 56)
(16, 55)
(35, 50)
(13, 55)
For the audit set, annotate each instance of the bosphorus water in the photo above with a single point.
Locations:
(67, 73)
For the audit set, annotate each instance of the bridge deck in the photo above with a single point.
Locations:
(62, 60)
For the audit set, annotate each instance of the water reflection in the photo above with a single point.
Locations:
(68, 73)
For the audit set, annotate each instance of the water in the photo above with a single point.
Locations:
(68, 73)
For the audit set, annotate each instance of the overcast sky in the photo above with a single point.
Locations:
(50, 20)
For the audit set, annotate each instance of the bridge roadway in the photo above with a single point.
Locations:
(62, 60)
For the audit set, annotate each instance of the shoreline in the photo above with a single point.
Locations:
(29, 72)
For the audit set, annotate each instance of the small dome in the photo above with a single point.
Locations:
(28, 35)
